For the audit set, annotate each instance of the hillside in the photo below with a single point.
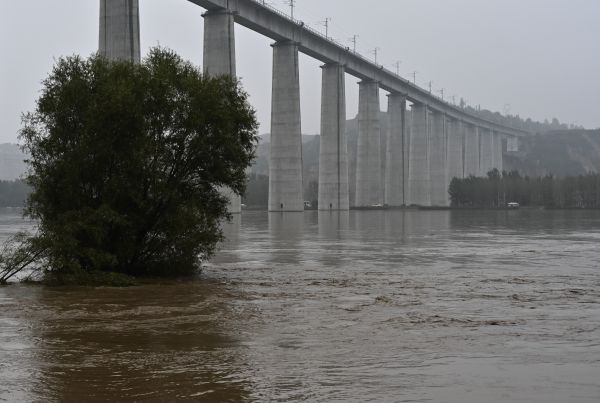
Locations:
(561, 153)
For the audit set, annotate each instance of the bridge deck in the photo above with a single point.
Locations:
(276, 25)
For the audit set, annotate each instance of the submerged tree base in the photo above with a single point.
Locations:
(89, 279)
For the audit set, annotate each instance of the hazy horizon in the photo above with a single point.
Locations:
(539, 60)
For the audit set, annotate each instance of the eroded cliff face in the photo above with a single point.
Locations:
(562, 153)
(12, 165)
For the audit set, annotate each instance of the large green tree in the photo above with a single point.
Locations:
(127, 161)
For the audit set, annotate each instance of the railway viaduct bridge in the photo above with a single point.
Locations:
(427, 145)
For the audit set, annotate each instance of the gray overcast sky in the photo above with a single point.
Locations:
(541, 57)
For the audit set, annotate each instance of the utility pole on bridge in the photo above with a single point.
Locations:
(326, 24)
(354, 40)
(375, 53)
(292, 4)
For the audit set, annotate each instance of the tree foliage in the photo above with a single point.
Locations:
(127, 161)
(498, 189)
(17, 254)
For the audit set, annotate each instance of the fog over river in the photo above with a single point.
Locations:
(385, 306)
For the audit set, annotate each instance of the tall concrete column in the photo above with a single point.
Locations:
(408, 130)
(397, 142)
(285, 162)
(418, 175)
(438, 167)
(498, 152)
(368, 154)
(512, 144)
(493, 151)
(219, 60)
(455, 150)
(120, 30)
(471, 151)
(333, 157)
(219, 43)
(486, 156)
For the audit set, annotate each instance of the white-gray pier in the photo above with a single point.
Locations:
(219, 60)
(368, 155)
(285, 162)
(333, 158)
(120, 30)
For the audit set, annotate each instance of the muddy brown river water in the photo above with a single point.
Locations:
(396, 306)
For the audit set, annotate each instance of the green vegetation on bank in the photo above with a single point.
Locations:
(127, 162)
(498, 189)
(13, 193)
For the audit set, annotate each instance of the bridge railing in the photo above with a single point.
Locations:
(360, 56)
(327, 38)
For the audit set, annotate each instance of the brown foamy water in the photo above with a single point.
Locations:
(386, 306)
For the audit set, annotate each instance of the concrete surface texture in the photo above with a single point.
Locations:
(471, 151)
(120, 30)
(455, 153)
(395, 184)
(333, 157)
(512, 144)
(219, 60)
(486, 156)
(498, 152)
(418, 175)
(408, 129)
(285, 166)
(219, 43)
(438, 165)
(368, 162)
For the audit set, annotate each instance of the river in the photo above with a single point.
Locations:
(382, 306)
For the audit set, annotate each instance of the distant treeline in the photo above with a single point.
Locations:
(498, 189)
(13, 193)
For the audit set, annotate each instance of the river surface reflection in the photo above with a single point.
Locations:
(389, 306)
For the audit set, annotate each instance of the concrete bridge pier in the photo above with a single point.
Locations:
(285, 161)
(219, 43)
(512, 144)
(408, 131)
(219, 60)
(368, 153)
(455, 150)
(418, 175)
(397, 142)
(438, 164)
(333, 157)
(120, 30)
(471, 150)
(486, 161)
(498, 152)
